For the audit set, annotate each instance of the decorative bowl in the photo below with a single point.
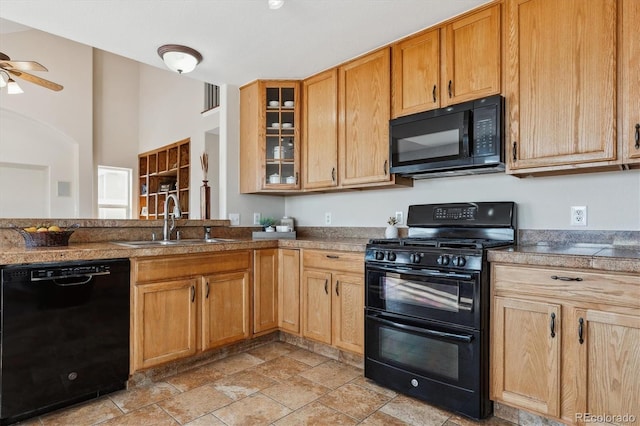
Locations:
(47, 239)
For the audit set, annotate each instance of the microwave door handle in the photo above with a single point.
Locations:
(439, 334)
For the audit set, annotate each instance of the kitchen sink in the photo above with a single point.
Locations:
(171, 243)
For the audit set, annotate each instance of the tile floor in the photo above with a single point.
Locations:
(274, 384)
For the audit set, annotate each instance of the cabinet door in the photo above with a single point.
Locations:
(164, 322)
(364, 106)
(316, 305)
(525, 354)
(252, 131)
(630, 84)
(416, 74)
(561, 83)
(265, 290)
(225, 308)
(320, 133)
(348, 312)
(289, 290)
(608, 382)
(471, 52)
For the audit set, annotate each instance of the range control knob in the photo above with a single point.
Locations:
(379, 255)
(391, 256)
(414, 258)
(458, 261)
(442, 260)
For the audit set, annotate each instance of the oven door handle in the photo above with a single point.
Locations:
(440, 334)
(422, 272)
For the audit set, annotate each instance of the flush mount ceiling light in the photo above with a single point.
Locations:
(181, 59)
(275, 4)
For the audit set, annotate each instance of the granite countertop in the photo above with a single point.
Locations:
(107, 250)
(603, 257)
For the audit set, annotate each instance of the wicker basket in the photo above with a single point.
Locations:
(47, 239)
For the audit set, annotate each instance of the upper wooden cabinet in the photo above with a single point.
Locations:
(320, 131)
(270, 136)
(630, 82)
(561, 84)
(364, 110)
(457, 62)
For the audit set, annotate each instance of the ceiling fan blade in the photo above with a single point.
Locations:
(36, 80)
(23, 65)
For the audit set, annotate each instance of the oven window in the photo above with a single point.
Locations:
(421, 353)
(398, 289)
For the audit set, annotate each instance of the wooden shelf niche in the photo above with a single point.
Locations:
(161, 172)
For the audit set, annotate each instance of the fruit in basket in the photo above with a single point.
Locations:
(42, 229)
(54, 228)
(31, 229)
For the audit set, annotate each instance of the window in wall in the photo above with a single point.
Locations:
(114, 193)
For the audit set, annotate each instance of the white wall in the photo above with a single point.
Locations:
(612, 200)
(68, 113)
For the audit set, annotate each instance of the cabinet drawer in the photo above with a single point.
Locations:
(594, 287)
(333, 260)
(168, 267)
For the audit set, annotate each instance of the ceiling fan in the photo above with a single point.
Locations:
(9, 69)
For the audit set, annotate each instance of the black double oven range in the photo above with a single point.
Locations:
(427, 304)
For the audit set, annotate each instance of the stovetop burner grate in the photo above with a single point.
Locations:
(440, 242)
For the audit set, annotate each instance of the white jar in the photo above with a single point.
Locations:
(288, 222)
(276, 152)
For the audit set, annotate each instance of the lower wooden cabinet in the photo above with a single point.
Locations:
(265, 290)
(566, 343)
(188, 303)
(289, 290)
(333, 298)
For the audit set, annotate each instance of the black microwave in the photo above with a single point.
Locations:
(465, 138)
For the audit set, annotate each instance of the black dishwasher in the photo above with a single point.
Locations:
(64, 334)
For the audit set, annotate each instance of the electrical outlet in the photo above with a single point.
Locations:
(327, 218)
(579, 215)
(399, 218)
(256, 218)
(234, 218)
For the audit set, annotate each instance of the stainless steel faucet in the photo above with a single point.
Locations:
(166, 231)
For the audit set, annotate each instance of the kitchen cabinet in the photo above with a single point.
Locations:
(270, 136)
(561, 84)
(289, 290)
(265, 290)
(320, 131)
(333, 298)
(565, 342)
(161, 172)
(363, 113)
(449, 64)
(630, 84)
(186, 304)
(225, 308)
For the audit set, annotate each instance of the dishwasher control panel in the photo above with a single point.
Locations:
(76, 271)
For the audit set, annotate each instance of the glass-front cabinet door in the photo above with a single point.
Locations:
(281, 170)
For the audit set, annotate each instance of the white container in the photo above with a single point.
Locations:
(275, 125)
(288, 222)
(291, 179)
(288, 103)
(274, 178)
(281, 228)
(287, 125)
(274, 103)
(276, 152)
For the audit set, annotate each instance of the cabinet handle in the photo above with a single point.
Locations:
(296, 178)
(385, 166)
(333, 256)
(450, 93)
(434, 93)
(637, 135)
(333, 174)
(193, 294)
(580, 330)
(553, 324)
(555, 277)
(207, 295)
(515, 157)
(326, 286)
(337, 284)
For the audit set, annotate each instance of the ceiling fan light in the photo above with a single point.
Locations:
(3, 82)
(275, 4)
(13, 88)
(181, 59)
